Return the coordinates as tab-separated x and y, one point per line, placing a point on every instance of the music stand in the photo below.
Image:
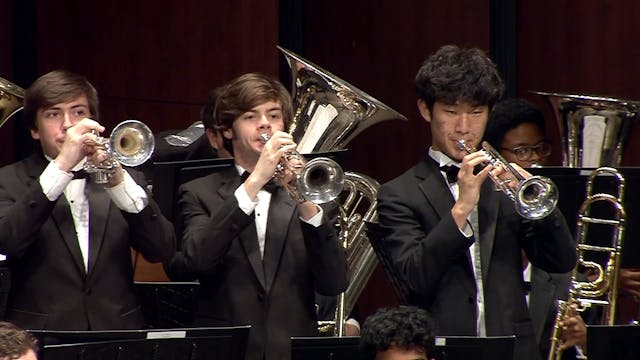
167	304
324	348
471	347
618	342
213	342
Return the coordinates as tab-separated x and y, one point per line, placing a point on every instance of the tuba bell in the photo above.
11	98
328	114
594	129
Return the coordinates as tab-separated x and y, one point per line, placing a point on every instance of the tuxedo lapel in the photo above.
64	221
280	215
434	188
99	203
540	298
487	218
248	236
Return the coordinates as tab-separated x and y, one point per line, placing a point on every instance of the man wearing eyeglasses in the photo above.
517	128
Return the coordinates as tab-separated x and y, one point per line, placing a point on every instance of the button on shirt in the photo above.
128	196
261	207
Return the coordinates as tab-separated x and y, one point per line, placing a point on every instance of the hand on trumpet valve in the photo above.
79	140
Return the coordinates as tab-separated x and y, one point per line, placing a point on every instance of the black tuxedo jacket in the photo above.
50	288
432	254
274	295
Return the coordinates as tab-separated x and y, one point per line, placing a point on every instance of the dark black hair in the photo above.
455	74
509	114
403	326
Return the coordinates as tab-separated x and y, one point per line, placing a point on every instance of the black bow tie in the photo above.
527	287
451	171
270	186
80	174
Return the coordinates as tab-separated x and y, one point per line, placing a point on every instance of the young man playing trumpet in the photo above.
456	241
259	254
68	239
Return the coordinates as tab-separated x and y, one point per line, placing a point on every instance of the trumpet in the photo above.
131	143
319	180
534	197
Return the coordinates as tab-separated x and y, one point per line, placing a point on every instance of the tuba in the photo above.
131	143
11	98
601	259
328	114
594	129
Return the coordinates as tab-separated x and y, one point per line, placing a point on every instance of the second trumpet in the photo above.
318	180
534	197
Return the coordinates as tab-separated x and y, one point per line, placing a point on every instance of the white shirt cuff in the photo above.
53	181
315	220
244	201
128	195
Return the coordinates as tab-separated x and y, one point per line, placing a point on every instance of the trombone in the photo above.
603	290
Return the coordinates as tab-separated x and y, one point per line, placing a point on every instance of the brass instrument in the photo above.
594	129
603	291
319	180
357	208
328	114
11	98
131	143
534	197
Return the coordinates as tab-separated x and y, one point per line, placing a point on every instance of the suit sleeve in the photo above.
21	218
421	256
327	257
150	231
549	244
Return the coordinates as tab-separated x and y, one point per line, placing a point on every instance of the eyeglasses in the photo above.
525	153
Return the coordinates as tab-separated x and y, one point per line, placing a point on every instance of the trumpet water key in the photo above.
534	197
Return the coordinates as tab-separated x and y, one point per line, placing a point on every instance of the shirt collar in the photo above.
442	159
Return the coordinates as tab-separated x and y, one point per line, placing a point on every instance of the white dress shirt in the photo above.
128	196
261	207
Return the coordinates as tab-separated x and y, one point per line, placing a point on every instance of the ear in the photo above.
211	136
35	135
424	110
228	133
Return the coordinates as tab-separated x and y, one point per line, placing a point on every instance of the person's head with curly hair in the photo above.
399	333
16	344
456	89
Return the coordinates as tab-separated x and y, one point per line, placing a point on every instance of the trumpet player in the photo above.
456	241
258	253
68	239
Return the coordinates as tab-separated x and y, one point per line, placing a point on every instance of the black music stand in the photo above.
180	343
620	342
167	304
324	348
400	287
471	347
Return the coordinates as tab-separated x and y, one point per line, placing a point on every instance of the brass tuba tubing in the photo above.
534	197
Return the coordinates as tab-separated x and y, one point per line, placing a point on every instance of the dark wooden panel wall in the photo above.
156	61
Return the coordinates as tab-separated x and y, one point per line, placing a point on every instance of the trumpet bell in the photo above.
11	98
321	180
132	143
536	197
594	129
